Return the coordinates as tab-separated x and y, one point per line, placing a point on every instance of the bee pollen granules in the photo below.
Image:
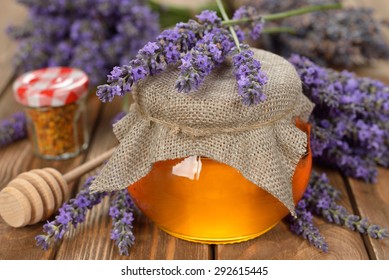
54	101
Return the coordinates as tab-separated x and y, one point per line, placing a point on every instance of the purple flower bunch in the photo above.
72	213
320	199
152	59
91	35
343	38
196	47
350	123
347	38
13	128
121	212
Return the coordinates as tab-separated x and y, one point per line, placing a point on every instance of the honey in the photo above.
219	207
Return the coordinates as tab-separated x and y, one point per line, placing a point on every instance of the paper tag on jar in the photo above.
189	168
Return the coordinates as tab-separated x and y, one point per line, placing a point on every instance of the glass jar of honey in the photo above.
213	203
54	103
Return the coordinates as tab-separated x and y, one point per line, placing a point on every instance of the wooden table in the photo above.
92	239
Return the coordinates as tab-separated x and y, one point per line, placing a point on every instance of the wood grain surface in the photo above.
372	200
91	240
279	243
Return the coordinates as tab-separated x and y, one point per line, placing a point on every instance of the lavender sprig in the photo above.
152	59
250	78
13	128
72	213
303	225
208	53
121	212
205	45
197	45
320	199
350	123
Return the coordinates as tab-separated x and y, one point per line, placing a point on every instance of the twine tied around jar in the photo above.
200	132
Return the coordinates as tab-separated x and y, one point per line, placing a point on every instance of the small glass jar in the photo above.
54	102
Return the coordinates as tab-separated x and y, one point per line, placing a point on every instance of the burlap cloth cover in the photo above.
262	142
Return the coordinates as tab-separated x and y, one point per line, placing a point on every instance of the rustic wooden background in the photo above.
92	239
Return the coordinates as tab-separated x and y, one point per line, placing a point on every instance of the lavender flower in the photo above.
72	213
253	28
208	53
13	128
303	225
320	199
209	17
350	128
121	212
152	59
92	35
196	48
249	76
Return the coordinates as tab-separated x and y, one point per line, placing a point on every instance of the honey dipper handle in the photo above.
88	166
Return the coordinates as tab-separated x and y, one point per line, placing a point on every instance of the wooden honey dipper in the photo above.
35	195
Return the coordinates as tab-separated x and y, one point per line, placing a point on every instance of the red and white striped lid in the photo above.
50	87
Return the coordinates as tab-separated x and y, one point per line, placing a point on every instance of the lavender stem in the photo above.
225	16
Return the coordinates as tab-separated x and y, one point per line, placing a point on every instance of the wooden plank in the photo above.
17	158
372	202
92	239
19	244
280	243
11	13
